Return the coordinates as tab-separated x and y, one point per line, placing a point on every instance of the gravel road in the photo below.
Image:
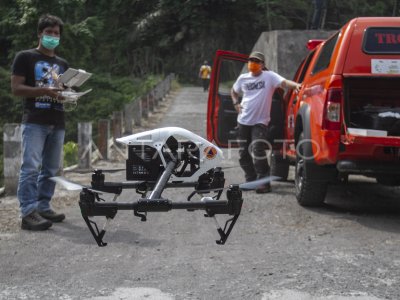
348	249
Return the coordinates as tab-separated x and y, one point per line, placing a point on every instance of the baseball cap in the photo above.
257	55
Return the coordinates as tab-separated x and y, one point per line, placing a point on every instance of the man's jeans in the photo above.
252	155
41	157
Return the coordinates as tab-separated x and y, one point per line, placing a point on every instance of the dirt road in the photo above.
278	250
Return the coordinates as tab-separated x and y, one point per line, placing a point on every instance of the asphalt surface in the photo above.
348	249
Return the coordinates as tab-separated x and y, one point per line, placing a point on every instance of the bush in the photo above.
70	154
109	94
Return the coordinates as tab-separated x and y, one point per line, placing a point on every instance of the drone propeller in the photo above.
68	185
72	186
230	167
246	186
252	185
98	170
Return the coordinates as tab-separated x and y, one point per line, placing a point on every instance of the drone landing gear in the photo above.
91	206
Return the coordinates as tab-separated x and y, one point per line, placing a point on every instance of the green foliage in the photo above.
125	42
10	106
175	85
109	94
70	154
79	42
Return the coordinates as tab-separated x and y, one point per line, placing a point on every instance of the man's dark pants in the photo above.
205	82
252	152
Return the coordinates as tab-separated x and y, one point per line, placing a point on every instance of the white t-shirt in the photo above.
257	96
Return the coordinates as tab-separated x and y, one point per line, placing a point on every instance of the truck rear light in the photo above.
311	44
332	110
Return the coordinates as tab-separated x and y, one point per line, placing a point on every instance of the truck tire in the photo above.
279	166
308	193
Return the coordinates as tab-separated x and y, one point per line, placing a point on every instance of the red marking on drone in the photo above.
210	152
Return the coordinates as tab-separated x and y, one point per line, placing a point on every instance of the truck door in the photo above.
221	115
293	100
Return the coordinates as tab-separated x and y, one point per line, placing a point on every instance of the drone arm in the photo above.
90	207
109	209
162	181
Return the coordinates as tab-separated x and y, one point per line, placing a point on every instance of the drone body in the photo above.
149	153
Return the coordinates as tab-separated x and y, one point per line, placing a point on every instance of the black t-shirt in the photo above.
40	70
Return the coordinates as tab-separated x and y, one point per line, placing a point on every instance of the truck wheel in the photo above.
279	166
308	193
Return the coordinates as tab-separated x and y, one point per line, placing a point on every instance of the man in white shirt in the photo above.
257	87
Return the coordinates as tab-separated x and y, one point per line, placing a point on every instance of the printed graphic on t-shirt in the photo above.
255	85
46	75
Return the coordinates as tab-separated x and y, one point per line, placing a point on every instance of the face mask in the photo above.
50	42
254	67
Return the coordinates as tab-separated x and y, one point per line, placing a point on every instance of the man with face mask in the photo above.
34	78
257	87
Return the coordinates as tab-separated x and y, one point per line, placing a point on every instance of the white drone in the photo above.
160	159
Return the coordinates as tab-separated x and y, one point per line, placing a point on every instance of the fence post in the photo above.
151	102
137	111
12	143
85	145
104	135
170	78
145	107
128	112
156	92
154	99
164	88
117	124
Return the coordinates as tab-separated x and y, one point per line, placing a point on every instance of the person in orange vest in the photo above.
204	74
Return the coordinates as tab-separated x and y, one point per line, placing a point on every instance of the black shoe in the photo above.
52	216
34	221
263	189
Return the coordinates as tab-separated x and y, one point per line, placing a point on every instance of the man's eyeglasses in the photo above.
255	60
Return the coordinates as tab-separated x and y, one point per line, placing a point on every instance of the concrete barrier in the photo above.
85	145
285	49
12	144
103	130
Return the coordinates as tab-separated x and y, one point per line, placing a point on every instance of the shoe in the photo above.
52	216
263	189
34	221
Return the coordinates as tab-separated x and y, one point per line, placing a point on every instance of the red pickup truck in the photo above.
346	118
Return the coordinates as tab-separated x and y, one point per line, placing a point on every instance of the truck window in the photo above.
305	67
324	58
382	40
229	72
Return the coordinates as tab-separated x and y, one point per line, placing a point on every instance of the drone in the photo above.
158	159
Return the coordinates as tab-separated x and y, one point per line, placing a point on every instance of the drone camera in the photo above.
143	163
212	180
